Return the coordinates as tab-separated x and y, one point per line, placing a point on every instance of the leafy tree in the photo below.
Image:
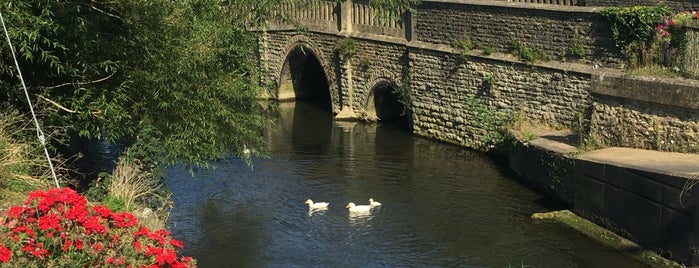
177	79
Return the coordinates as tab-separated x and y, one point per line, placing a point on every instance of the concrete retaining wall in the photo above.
656	208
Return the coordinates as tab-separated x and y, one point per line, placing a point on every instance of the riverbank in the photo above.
643	195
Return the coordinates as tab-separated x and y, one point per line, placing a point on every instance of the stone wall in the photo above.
553	29
676	5
647	113
440	85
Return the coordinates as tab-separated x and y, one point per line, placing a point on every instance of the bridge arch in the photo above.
382	103
305	73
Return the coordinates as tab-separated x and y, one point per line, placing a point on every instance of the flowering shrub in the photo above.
57	228
674	23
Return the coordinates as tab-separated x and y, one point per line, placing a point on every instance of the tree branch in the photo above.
80	83
57	105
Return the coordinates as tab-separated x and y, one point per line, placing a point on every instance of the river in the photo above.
443	205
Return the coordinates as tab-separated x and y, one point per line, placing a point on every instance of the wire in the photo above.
39	133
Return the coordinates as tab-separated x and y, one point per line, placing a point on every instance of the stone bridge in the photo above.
549	64
545	63
378	66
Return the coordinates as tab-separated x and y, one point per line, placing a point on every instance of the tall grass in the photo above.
23	167
132	186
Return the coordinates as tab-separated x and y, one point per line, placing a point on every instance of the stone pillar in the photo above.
264	59
347	86
409	22
346	78
346	16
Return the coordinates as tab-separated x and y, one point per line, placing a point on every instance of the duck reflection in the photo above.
320	211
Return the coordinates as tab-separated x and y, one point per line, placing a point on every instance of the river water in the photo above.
443	205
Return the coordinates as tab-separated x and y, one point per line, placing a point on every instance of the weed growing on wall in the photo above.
530	54
346	48
365	66
463	46
490	79
577	49
494	123
403	93
488	49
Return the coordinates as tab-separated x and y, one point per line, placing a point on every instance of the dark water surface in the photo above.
443	206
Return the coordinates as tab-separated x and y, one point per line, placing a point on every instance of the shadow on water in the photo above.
224	246
443	205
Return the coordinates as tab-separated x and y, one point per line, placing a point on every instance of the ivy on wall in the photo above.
633	24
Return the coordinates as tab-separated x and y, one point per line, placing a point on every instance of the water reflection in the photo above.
360	218
443	206
320	211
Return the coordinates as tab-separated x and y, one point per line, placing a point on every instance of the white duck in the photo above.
374	203
318	205
361	208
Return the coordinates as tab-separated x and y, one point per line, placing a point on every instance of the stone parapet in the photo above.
647	113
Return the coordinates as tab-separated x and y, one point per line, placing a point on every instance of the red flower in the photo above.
143	231
103	211
150	251
61	218
137	245
76	212
166	256
92	224
124	220
40	252
176	243
5	254
22	229
16	212
98	246
49	221
78	244
66	244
